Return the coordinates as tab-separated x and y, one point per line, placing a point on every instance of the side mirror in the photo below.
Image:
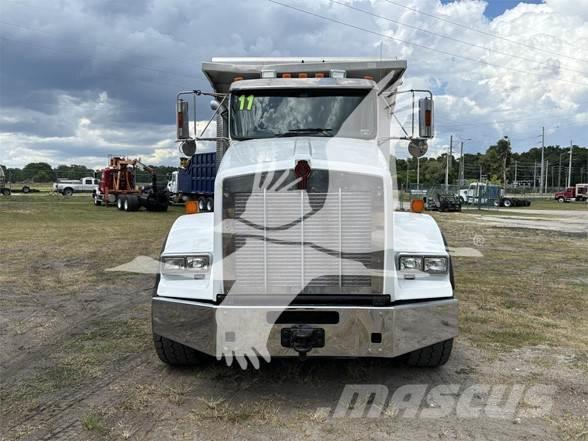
214	105
182	120
426	127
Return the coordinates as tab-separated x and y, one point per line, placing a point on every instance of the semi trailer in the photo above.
304	254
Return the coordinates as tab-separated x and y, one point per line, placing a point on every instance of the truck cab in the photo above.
577	193
304	253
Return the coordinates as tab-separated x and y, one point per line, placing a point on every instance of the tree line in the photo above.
43	172
498	164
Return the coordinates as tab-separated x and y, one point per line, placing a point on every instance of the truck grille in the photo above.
299	242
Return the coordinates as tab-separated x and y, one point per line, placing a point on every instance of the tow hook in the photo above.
302	338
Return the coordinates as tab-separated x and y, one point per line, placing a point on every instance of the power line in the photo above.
333	20
452	38
490	34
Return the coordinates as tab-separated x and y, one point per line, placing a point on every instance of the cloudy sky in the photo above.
80	79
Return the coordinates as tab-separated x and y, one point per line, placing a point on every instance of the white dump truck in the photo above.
304	253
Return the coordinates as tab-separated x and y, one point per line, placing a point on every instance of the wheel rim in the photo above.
209	206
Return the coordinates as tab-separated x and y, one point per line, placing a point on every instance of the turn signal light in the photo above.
286	75
191	207
417	205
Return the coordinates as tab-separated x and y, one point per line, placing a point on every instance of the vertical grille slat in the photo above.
298	241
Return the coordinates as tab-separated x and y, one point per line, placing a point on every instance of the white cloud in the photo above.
107	82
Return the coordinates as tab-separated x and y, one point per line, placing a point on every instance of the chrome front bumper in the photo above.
358	332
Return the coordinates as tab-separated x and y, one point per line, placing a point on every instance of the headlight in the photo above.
431	265
411	263
194	267
436	265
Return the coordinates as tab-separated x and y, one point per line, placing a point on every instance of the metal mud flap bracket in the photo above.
302	338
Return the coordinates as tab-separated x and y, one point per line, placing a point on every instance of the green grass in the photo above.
94	423
67	243
552	204
525	289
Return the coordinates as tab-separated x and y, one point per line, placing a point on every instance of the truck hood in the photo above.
343	154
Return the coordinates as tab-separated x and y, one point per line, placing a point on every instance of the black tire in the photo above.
68	191
5	191
561	199
133	203
209	204
26	189
431	356
507	202
177	354
201	204
120	202
97	202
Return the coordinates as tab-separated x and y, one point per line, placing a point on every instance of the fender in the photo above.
190	234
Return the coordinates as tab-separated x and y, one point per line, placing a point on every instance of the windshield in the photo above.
303	112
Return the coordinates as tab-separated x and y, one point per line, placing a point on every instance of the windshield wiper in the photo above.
309	130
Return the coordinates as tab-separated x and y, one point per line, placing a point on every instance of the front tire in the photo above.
67	192
561	200
177	354
26	189
507	203
431	356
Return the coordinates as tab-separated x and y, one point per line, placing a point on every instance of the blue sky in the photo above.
497	7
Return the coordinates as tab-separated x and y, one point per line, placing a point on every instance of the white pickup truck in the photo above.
304	253
67	187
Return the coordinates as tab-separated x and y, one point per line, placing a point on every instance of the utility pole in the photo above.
542	159
546	173
448	163
461	166
570	165
534	176
515	179
559	173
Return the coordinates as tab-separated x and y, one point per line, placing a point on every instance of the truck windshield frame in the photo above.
322	112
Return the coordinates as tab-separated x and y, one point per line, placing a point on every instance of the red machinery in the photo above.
118	185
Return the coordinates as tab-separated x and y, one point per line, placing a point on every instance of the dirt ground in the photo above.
78	363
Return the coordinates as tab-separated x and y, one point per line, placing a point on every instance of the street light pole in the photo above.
542	160
570	165
448	163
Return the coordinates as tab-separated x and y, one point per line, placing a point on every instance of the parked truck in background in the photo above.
118	186
67	187
486	194
303	249
194	181
578	193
